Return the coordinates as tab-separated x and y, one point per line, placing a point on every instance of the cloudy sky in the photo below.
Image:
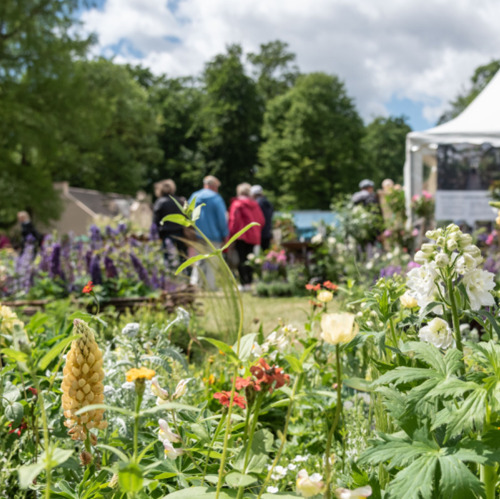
396	56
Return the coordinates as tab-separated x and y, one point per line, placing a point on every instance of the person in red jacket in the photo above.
242	211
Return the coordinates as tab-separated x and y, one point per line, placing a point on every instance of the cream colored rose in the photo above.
338	328
408	301
325	296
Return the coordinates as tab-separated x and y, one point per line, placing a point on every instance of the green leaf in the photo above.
117	452
177	218
10	394
170	406
197	212
359	384
55	351
416	480
236	479
246	346
29	472
106	407
238	234
130	477
192	260
201	492
165	475
294	363
14	412
14	355
223	347
60	456
457	481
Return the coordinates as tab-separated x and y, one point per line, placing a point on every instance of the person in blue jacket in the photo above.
212	221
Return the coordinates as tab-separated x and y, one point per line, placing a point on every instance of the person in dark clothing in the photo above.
170	232
28	231
366	195
267	210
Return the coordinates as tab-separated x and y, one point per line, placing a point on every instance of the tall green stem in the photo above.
137	415
212	443
454	315
283	437
489	474
238	341
338	408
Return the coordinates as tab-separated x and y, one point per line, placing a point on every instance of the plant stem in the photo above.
212	443
338	408
488	474
255	418
454	314
283	438
137	415
238	341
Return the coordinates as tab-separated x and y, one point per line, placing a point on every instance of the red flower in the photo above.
88	288
247	382
19	429
272	377
330	285
225	398
33	391
312	287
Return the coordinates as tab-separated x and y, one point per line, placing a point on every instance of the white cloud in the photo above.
421	50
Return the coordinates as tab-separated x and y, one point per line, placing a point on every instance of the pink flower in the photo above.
491	238
427	195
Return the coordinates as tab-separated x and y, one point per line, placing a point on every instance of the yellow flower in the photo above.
141	373
325	296
408	301
309	486
8	318
82	383
338	328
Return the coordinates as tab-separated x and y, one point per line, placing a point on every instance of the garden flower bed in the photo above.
387	390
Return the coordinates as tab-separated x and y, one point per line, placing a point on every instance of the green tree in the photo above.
312	147
231	117
481	77
384	148
114	141
36	49
274	70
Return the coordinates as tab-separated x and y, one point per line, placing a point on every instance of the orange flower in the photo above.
225	398
247	382
270	375
312	287
330	285
141	373
88	288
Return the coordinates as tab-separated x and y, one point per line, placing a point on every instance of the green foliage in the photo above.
312	147
384	148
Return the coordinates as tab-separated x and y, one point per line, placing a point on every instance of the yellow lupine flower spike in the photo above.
82	383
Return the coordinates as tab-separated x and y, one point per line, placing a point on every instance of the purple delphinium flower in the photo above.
44	265
491	265
139	268
95	270
24	266
412	265
88	259
122	227
134	242
390	270
95	237
55	262
110	267
153	232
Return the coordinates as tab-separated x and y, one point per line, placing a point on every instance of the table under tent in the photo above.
464	159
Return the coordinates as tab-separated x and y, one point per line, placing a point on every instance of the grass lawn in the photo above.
218	318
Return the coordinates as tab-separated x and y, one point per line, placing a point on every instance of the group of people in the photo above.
217	223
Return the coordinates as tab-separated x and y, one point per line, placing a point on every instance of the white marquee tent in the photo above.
479	123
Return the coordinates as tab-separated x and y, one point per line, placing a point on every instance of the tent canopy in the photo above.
479	123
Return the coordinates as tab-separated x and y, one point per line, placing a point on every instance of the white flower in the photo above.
292	467
442	260
279	473
422	284
317	239
128	385
272	489
478	284
331	241
309	486
438	333
338	328
166	433
157	390
131	329
408	301
360	493
170	451
250	257
465	263
299	459
180	389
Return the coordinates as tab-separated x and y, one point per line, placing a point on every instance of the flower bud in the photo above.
428	248
420	257
325	296
82	383
451	244
408	301
465	240
442	260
